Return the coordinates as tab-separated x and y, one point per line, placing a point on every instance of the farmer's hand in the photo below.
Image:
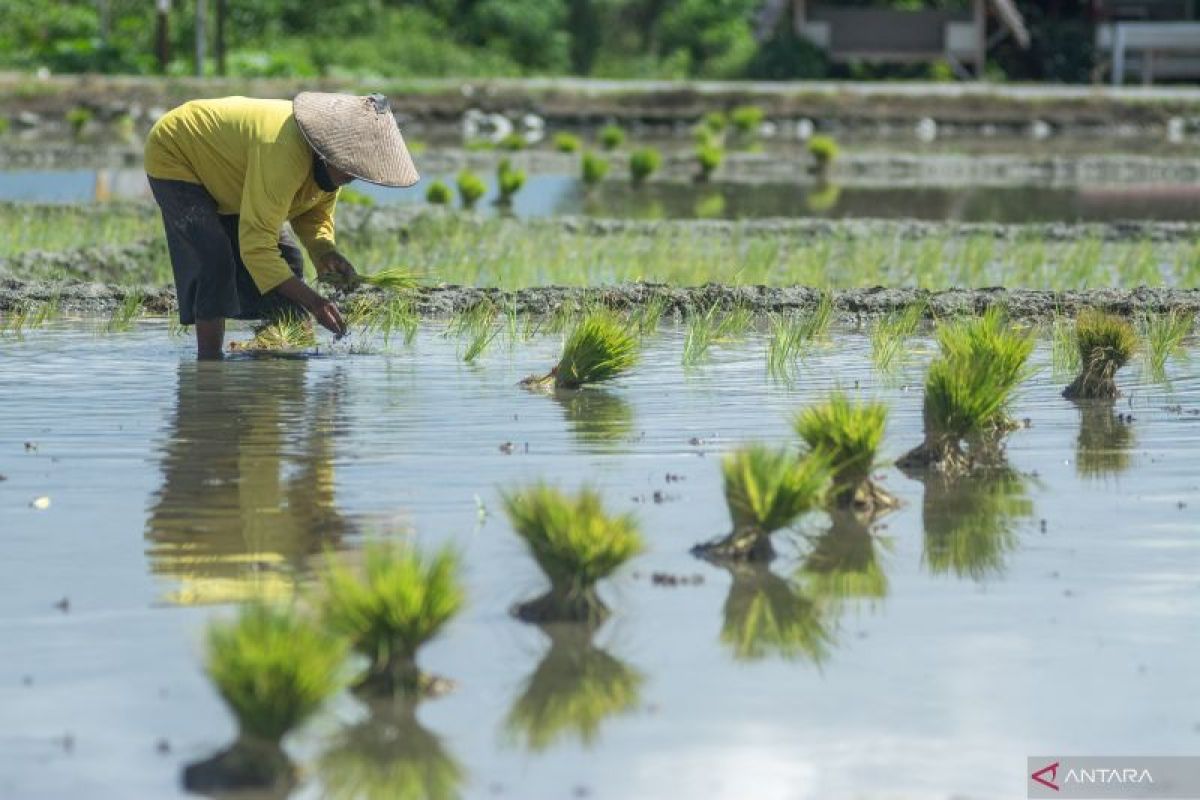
334	268
327	313
322	309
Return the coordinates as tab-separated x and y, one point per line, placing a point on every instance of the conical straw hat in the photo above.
358	135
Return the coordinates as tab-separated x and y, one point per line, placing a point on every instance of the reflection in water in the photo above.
599	419
248	483
389	755
844	563
822	198
575	687
970	521
710	205
768	615
1105	443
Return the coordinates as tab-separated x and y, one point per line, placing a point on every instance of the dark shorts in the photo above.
211	280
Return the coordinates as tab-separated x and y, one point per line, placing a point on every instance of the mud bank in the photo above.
1122	112
443	301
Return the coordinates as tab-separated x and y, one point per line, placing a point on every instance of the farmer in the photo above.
228	173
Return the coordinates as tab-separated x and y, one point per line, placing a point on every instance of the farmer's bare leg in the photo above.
210	338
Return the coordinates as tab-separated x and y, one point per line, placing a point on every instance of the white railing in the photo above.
1149	39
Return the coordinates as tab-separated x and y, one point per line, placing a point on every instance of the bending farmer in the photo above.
228	173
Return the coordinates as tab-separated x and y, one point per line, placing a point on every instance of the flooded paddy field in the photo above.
1048	608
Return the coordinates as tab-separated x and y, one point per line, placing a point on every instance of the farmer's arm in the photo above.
315	228
271	182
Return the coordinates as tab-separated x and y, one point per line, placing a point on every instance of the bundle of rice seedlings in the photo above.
643	163
824	151
512	142
397	602
766	615
848	435
575	688
600	348
612	136
991	338
766	490
509	180
709	156
274	669
747	120
576	544
384	316
970	521
390	756
594	168
392	279
288	332
843	563
1106	343
567	143
470	188
438	194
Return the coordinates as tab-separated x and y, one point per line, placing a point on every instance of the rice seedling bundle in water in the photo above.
567	143
470	188
287	333
993	339
594	168
392	279
766	489
1106	343
509	180
438	194
576	543
398	601
848	435
643	163
709	157
612	137
599	348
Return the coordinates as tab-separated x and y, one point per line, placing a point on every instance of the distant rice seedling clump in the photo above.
848	436
594	168
612	136
470	188
438	194
599	348
509	180
766	489
397	602
1106	343
576	543
643	163
567	143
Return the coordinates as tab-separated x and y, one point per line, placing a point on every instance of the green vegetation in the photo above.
567	143
384	316
891	333
438	194
477	325
512	142
288	332
714	123
470	188
711	326
78	119
766	489
1164	335
400	600
611	136
847	435
1104	447
509	180
390	279
844	563
969	522
126	313
824	151
353	197
594	168
576	544
643	163
766	615
993	339
747	120
575	688
273	668
600	348
1106	343
708	157
793	334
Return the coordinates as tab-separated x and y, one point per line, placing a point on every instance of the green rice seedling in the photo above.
643	163
389	756
766	490
600	348
848	435
594	168
576	543
480	145
78	119
126	312
612	136
970	522
567	143
470	188
438	194
649	314
16	318
1164	335
747	120
824	151
791	335
713	325
963	399
274	669
391	279
844	562
400	600
575	688
824	197
289	332
993	339
1064	353
176	329
1106	343
509	180
477	325
767	615
1104	447
384	316
715	122
708	157
512	142
46	311
891	333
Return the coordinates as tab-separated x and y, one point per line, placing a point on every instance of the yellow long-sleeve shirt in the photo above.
252	158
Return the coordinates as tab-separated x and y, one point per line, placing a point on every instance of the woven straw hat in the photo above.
358	135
